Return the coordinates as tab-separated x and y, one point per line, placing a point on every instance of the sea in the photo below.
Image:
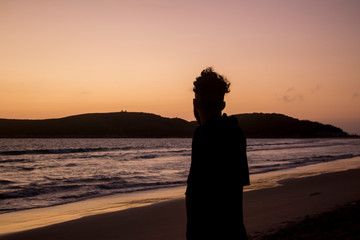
36	173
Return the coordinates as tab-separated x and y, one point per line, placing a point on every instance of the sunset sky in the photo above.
66	57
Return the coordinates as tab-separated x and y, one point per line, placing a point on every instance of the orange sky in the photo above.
65	57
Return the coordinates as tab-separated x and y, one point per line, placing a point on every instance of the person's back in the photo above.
217	174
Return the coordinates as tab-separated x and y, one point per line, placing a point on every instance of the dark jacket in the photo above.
218	172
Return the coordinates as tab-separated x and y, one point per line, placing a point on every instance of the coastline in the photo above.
340	223
268	210
319	188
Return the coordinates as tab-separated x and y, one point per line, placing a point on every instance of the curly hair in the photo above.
210	89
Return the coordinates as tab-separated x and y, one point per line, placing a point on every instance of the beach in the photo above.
265	211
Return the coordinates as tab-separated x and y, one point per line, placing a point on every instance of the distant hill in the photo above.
122	124
143	125
260	125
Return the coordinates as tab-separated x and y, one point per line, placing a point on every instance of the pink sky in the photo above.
299	58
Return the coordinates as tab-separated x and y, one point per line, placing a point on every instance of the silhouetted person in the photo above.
219	168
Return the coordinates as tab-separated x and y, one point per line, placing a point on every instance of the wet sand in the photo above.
265	211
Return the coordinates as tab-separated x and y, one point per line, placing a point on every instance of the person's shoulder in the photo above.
236	125
198	131
233	122
232	119
241	132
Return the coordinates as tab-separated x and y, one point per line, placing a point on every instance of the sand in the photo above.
268	210
341	223
265	211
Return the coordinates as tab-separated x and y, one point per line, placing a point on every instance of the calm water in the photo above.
45	172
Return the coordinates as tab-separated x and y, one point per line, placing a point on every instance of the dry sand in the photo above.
341	223
265	211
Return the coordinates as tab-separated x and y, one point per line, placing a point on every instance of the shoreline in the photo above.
298	198
340	223
265	211
36	218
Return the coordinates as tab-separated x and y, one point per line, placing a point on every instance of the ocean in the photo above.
38	173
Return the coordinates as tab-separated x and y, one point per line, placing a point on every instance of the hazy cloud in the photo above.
290	90
289	99
291	95
161	5
318	87
355	96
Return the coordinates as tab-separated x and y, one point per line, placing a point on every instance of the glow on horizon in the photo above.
299	58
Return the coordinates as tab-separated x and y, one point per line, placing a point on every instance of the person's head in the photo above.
210	89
